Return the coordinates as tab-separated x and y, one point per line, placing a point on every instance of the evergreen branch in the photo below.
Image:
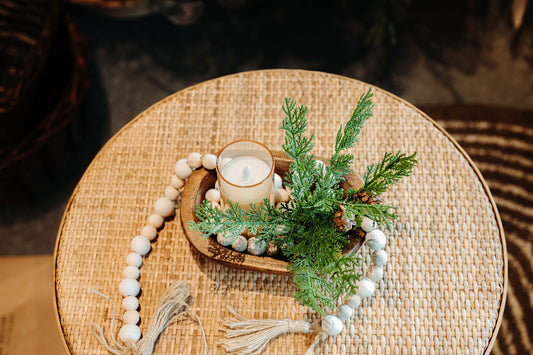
380	176
348	137
262	219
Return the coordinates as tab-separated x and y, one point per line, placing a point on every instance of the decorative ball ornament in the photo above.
164	207
156	220
375	273
256	246
240	244
129	287
130	302
332	325
366	287
225	239
368	225
131	272
278	183
376	239
141	245
131	316
209	161
171	193
353	301
212	195
380	257
149	232
176	182
345	312
129	333
134	259
182	169
194	160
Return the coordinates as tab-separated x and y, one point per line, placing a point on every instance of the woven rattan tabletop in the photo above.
443	291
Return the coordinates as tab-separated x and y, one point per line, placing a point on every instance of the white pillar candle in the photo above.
246	173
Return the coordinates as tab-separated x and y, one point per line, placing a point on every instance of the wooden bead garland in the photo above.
164	207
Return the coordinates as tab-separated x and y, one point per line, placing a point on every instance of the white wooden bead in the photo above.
278	183
129	287
209	161
164	207
345	312
353	301
149	232
368	225
176	182
171	193
332	325
130	302
225	239
375	273
366	287
376	239
182	169
131	316
240	244
212	195
156	220
256	246
140	245
380	257
134	259
194	160
129	334
281	195
131	272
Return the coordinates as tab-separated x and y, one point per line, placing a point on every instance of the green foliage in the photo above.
378	177
304	228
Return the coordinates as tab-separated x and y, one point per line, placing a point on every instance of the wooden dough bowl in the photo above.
194	191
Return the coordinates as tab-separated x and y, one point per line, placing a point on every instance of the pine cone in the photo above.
343	224
366	198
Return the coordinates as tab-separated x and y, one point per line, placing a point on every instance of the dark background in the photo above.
425	52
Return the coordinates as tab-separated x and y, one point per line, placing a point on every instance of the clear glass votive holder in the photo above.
245	171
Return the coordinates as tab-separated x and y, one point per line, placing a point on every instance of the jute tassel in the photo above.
251	336
174	304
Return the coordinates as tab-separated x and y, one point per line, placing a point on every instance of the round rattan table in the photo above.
444	287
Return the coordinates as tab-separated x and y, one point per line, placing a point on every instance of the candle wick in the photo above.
246	173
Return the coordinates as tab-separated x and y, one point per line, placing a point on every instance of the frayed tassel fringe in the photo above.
251	336
173	305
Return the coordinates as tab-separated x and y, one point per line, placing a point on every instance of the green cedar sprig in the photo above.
380	176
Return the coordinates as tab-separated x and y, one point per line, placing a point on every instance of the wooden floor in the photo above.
27	321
